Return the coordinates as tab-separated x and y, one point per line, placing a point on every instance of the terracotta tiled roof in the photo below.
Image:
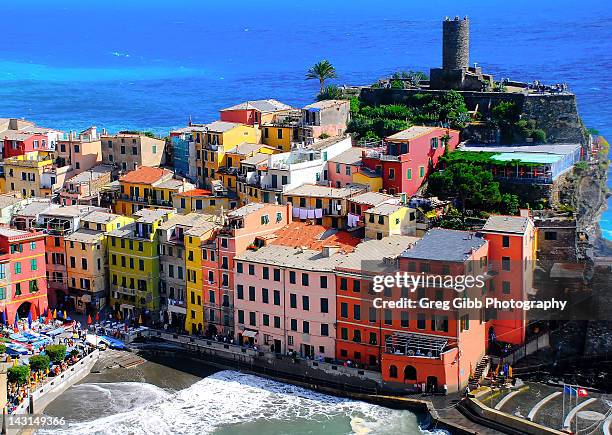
145	175
195	192
302	234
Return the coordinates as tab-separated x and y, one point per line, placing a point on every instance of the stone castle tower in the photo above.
455	43
456	72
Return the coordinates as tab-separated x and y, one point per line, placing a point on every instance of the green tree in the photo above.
56	352
321	71
39	363
2	348
509	203
473	185
19	374
331	92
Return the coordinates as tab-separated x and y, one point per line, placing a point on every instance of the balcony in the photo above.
124	290
417	345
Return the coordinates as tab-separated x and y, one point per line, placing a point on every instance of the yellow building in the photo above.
368	178
389	219
282	130
212	145
148	188
134	264
24	174
230	173
86	264
195	241
202	201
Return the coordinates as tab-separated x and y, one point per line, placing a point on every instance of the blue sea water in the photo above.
151	64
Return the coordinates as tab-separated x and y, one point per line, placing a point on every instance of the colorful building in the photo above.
435	347
212	145
512	256
23	173
84	188
81	152
342	168
324	119
389	219
18	143
202	201
23	287
240	229
147	187
283	131
127	151
327	206
410	157
359	204
174	259
254	112
134	265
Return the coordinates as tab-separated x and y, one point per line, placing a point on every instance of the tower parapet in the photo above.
455	43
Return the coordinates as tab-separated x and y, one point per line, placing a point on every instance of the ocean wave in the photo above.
230	398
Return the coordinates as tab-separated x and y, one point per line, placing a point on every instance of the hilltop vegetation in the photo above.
372	123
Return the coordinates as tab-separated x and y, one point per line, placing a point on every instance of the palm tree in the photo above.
322	71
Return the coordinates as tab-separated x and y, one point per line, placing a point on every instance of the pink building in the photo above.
253	112
340	169
23	284
285	299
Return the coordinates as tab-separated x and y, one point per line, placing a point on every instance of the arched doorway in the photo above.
24	310
392	371
410	373
432	384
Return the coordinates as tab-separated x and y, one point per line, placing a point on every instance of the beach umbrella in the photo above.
3	317
55	314
89	322
98	316
65	315
140	320
49	316
30	320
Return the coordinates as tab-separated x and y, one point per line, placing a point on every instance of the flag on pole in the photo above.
572	391
581	392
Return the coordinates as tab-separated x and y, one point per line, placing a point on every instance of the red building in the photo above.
410	156
23	285
17	144
253	112
512	253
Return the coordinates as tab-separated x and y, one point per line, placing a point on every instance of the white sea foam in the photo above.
224	399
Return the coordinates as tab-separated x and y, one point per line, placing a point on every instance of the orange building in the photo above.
512	254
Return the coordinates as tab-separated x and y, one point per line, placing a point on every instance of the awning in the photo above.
249	334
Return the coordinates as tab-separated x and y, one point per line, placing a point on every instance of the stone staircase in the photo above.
480	372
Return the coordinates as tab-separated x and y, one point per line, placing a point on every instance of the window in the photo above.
404	319
251	293
344	333
266	272
391	174
324	305
505	241
276	297
421	321
344	310
421	171
439	323
251	269
343	284
240	316
33	264
277	275
465	323
337	168
238	267
372	315
18	289
293	325
2	293
293	300
356	285
266	320
506	264
265	297
277	322
32	246
252	318
304	279
550	235
305	303
388	317
506	287
409	174
265	219
240	291
434	143
324	330
17	268
392	371
2	271
34	286
279	133
356	312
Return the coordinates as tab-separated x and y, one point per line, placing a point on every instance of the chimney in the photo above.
328	251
